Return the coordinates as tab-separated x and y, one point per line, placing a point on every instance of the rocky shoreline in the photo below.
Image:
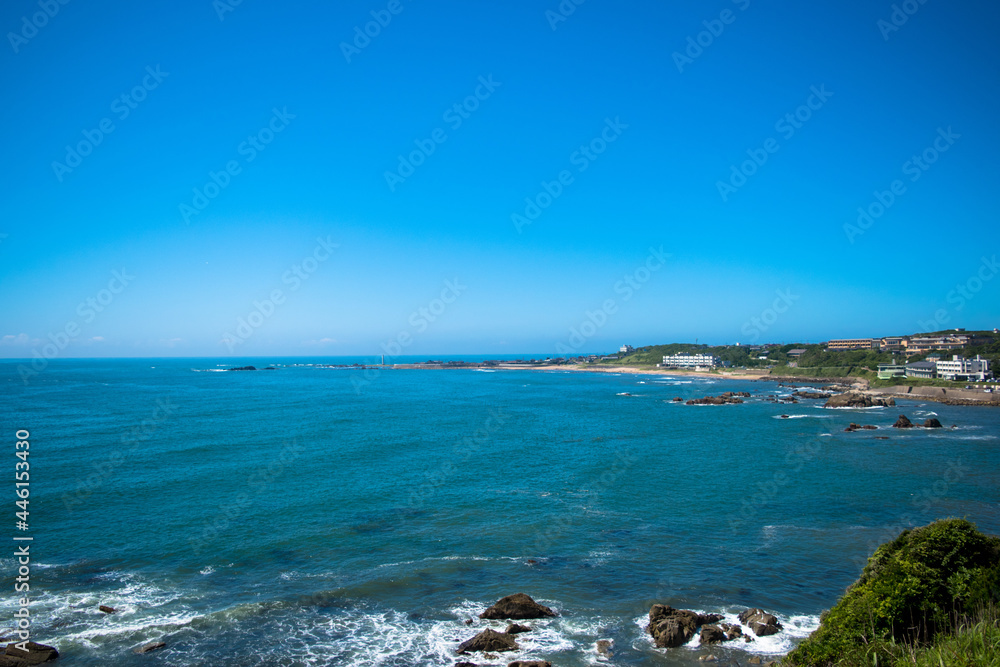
668	627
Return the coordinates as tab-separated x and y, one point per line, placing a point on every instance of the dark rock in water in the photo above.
469	621
784	416
106	609
715	400
856	427
242	368
270	368
529	663
671	627
35	655
466	664
712	634
516	607
762	623
932	423
810	395
489	640
855	400
678	400
515	629
151	646
731	394
903	422
732	631
604	647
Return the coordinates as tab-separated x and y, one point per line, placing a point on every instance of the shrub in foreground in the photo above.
922	586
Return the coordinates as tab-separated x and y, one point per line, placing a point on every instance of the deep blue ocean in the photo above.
322	516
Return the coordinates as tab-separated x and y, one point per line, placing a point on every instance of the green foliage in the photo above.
974	643
870	359
911	591
653	354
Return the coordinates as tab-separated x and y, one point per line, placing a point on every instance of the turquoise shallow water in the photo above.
316	516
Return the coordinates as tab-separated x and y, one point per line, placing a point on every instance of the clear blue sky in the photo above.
522	287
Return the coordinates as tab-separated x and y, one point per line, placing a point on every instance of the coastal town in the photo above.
936	362
946	365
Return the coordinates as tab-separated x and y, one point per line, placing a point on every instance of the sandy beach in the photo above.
749	375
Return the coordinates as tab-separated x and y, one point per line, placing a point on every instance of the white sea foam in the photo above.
140	607
802	417
430	559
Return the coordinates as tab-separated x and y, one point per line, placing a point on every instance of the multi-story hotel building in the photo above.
854	344
691	361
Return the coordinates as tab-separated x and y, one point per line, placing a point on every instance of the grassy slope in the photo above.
929	593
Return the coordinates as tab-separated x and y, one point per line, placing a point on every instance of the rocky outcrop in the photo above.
903	422
859	427
106	609
515	629
932	423
242	368
516	607
529	663
603	647
35	655
712	634
671	627
733	631
151	646
810	395
489	640
853	399
762	623
678	399
715	400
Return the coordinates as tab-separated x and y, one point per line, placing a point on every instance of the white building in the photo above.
959	368
695	361
627	349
